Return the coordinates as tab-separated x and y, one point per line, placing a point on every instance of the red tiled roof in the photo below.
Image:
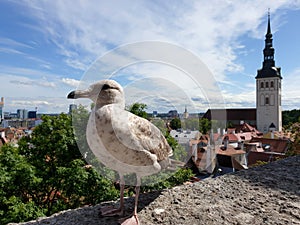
230	151
217	136
277	145
248	128
230	130
254	157
245	136
231	137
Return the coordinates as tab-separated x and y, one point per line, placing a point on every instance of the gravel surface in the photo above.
267	194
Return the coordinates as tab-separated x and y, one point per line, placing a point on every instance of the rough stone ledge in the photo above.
268	194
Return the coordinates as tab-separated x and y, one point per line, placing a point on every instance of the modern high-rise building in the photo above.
72	107
268	89
31	114
1	109
22	113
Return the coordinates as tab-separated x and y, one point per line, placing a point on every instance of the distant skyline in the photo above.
47	47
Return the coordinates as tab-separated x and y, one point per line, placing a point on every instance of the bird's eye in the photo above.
105	87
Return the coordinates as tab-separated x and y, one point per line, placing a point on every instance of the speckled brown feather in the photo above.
150	137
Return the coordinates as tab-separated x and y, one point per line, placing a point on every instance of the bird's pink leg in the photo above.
133	220
109	210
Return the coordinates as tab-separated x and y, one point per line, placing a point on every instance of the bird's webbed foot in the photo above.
133	220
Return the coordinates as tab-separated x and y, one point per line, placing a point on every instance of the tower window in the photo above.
267	101
272	84
262	85
267	84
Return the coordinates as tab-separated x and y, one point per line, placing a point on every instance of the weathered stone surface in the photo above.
268	194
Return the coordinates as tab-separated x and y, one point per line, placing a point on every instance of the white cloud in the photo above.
85	30
25	103
290	90
41	103
12	43
209	29
47	92
70	82
10	51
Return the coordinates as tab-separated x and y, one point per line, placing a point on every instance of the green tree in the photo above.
190	123
66	180
289	117
138	109
175	123
160	124
204	125
179	153
294	146
18	182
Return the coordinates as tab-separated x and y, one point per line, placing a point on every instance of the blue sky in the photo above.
48	48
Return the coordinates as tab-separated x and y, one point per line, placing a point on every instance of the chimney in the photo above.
272	134
223	132
226	142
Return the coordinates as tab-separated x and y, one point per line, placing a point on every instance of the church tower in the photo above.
268	89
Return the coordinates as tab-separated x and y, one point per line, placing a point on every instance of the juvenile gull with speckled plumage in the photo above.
121	140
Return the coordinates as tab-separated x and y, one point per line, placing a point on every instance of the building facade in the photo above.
22	113
234	117
268	89
1	109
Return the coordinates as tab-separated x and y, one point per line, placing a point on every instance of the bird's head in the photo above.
102	93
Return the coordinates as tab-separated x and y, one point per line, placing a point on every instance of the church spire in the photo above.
268	88
269	24
268	68
269	50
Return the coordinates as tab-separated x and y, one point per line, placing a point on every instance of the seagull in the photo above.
123	141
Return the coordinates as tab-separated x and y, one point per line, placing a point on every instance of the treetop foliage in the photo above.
47	174
175	123
290	116
138	109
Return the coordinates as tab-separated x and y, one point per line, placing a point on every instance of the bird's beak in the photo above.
78	94
71	95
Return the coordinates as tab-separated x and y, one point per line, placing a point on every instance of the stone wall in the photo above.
268	194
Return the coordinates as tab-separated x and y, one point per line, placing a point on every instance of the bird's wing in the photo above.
130	139
149	137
